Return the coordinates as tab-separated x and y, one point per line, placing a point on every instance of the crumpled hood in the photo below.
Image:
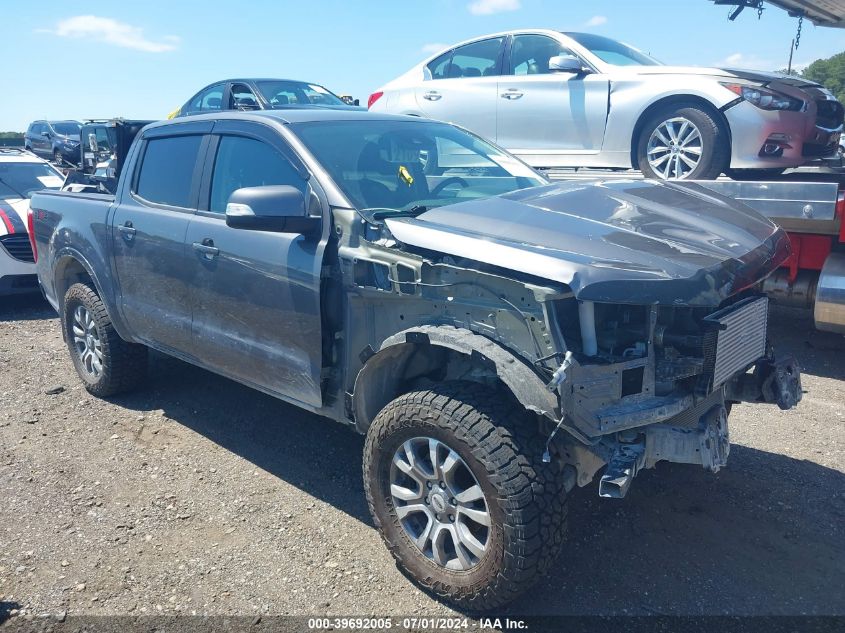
760	76
637	242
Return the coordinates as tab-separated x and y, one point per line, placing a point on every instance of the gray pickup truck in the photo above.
499	339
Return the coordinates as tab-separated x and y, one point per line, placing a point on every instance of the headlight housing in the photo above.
765	98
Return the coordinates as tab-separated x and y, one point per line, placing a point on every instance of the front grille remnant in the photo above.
737	339
18	246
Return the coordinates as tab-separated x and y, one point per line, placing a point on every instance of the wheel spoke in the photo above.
449	464
659	148
469	541
463	559
479	516
438	534
414	508
659	161
433	446
692	136
693	150
469	495
690	163
659	134
422	540
404	494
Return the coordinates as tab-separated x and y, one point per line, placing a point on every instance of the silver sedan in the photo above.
579	100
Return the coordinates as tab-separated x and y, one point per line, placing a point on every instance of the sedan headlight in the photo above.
764	98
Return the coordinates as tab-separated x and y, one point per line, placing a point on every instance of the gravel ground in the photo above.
198	495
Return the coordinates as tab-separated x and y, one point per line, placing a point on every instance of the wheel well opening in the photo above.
407	367
70	271
675	101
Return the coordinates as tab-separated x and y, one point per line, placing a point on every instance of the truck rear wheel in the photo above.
457	487
105	362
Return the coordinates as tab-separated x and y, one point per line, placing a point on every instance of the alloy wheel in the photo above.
675	148
439	503
86	340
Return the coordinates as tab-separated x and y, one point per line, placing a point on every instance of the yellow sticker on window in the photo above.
405	176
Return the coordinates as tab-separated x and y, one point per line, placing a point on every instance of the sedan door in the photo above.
148	236
544	114
463	86
255	294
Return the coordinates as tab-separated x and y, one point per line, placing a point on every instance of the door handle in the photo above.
207	248
512	94
432	95
127	230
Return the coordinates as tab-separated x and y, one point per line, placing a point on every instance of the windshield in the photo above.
21	180
285	93
67	128
613	52
387	167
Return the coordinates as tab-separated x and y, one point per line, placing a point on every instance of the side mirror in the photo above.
276	208
46	134
356	102
566	64
92	142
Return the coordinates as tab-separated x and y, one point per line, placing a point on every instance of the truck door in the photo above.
148	236
255	294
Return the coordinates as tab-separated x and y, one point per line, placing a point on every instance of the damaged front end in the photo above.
655	330
659	382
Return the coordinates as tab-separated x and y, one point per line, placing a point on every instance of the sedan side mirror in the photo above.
566	64
276	208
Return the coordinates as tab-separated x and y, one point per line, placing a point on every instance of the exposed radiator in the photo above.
737	340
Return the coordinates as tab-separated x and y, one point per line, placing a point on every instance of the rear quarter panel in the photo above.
72	227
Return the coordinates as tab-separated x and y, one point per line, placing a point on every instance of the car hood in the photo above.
638	242
729	73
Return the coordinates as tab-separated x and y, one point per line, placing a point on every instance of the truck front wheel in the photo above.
457	487
105	362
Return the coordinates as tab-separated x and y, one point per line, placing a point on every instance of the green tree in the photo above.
830	73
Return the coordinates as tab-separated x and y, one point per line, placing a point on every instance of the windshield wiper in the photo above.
413	212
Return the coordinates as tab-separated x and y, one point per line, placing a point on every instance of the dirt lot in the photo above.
199	495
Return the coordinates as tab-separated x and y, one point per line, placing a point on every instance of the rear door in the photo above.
463	86
148	235
255	294
546	113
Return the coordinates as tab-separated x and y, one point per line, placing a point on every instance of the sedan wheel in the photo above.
682	142
675	148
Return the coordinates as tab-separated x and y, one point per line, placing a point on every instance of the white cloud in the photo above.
489	7
434	47
748	62
112	32
597	20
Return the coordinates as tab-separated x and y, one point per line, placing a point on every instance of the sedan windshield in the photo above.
21	180
613	52
392	166
287	93
67	128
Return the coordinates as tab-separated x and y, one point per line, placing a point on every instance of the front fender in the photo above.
377	381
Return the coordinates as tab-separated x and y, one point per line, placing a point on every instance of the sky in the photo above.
68	60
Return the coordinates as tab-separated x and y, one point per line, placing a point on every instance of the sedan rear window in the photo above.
21	180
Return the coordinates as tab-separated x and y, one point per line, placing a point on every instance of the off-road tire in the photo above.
124	364
716	147
503	448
